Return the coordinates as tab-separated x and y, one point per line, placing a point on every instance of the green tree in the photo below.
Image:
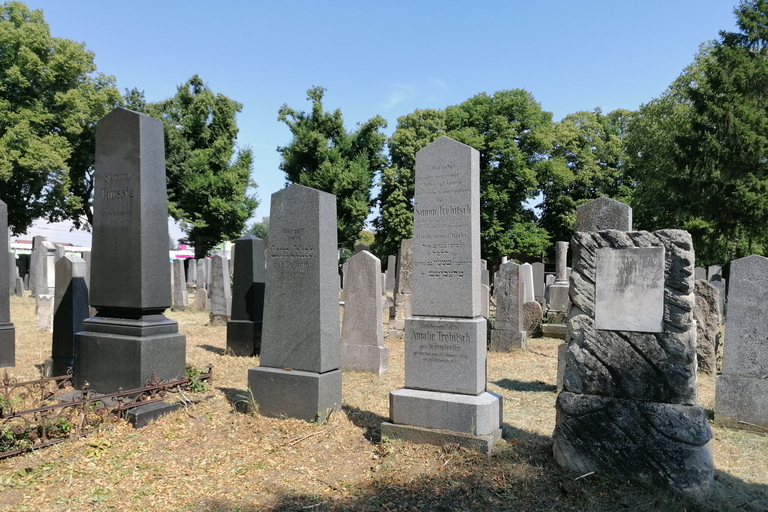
50	100
325	156
587	160
208	180
259	229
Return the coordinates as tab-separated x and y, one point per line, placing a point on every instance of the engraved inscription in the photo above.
629	289
437	346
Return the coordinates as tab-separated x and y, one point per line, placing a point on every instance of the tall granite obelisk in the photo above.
129	338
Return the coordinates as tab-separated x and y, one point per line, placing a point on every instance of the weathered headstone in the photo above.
220	292
741	399
7	330
201	299
403	297
532	317
245	326
603	213
129	339
59	252
362	332
719	283
44	312
485	276
390	273
526	277
362	247
202	275
445	397
19	289
714	272
558	291
707	319
180	294
538	281
485	300
700	273
70	310
628	405
508	332
191	272
300	374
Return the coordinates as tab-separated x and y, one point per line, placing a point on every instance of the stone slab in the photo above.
295	394
664	444
7	345
480	414
742	402
364	358
143	415
244	337
446	230
421	435
554	330
629	289
504	341
604	213
446	354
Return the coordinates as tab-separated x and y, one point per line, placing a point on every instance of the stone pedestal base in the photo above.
298	394
741	402
664	444
113	353
364	358
479	415
554	330
558	296
7	345
420	435
504	341
244	337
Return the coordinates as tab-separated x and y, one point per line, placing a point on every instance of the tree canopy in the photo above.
50	100
325	156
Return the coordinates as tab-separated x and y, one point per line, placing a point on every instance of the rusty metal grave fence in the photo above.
61	412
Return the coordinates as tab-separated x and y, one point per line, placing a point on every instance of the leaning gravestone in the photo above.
70	310
129	339
300	374
245	325
741	399
445	397
628	405
362	332
508	332
7	330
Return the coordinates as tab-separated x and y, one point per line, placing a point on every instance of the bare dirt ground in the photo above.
212	456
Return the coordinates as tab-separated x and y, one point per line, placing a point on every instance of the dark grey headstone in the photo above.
629	398
604	213
362	332
508	332
245	325
129	339
742	390
446	231
7	330
301	283
70	310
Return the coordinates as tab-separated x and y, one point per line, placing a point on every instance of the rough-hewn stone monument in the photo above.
445	397
300	374
129	338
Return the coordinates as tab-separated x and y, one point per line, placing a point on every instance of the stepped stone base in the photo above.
298	394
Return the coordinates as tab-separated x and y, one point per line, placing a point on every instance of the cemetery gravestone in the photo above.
445	397
180	294
707	319
191	272
741	399
70	310
300	374
508	332
538	281
129	339
245	326
219	291
629	400
404	284
7	330
44	312
526	276
202	275
700	273
603	213
201	299
362	332
390	273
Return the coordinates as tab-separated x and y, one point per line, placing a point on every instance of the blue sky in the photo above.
389	58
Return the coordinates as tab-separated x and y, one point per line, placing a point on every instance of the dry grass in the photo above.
210	457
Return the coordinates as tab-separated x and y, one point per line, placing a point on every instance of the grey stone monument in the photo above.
70	310
129	339
700	273
526	276
714	272
362	332
390	273
244	327
180	294
445	397
44	312
508	332
403	294
603	213
220	292
558	291
707	318
628	406
300	374
741	399
202	275
538	281
7	330
191	272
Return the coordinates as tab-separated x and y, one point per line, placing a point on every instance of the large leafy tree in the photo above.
208	180
325	156
512	134
587	160
50	100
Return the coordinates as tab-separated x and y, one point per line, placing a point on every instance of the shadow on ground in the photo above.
216	350
367	420
534	386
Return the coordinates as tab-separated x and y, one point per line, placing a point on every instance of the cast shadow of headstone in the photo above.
536	386
216	350
368	420
241	400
